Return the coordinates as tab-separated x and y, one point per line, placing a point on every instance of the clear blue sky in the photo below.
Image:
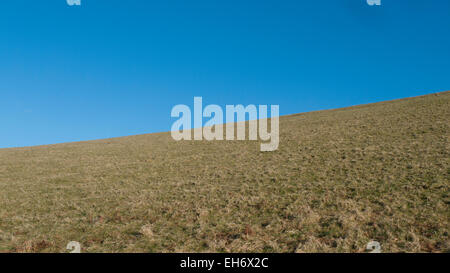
113	68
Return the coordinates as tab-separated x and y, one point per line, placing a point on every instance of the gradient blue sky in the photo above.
113	68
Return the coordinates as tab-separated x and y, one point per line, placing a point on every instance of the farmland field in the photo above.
339	179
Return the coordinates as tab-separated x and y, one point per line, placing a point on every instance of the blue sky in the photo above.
113	68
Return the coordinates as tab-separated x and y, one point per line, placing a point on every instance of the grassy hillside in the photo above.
339	179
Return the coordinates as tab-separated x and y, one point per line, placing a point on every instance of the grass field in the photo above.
339	179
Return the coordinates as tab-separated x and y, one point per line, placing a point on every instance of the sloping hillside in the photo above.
339	179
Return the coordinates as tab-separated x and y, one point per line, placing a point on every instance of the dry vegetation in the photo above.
339	179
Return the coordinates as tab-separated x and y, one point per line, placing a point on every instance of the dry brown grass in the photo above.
339	179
